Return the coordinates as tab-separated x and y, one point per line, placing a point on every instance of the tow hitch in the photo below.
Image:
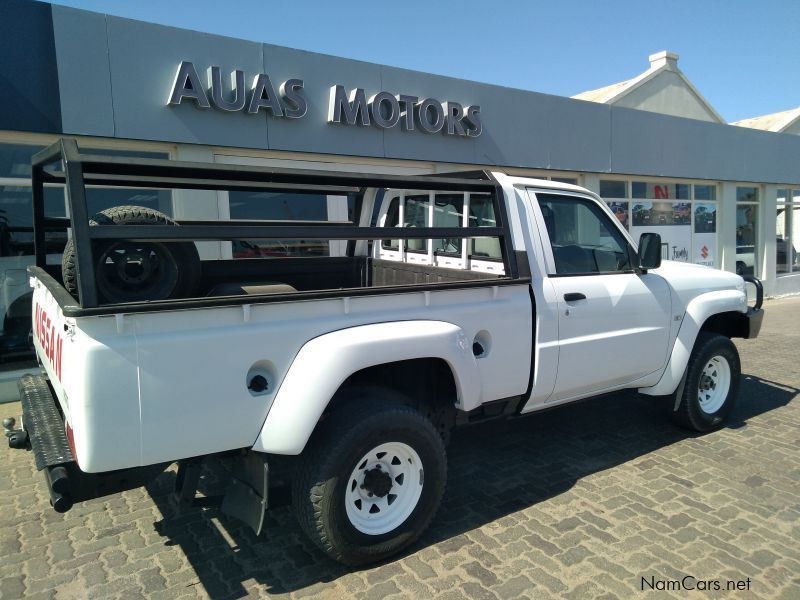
17	438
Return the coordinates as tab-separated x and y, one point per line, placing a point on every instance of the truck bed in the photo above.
119	365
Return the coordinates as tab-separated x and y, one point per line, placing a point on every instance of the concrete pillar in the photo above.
726	226
767	214
591	181
198	204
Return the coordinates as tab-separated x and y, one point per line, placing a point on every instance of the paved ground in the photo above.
580	502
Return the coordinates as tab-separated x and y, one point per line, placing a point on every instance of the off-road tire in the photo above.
184	254
689	412
366	418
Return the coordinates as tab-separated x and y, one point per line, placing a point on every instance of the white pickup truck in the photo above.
440	301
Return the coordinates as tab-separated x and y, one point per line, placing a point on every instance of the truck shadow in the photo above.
495	469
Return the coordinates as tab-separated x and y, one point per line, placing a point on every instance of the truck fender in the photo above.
324	363
697	312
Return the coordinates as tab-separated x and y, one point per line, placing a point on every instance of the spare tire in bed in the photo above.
128	271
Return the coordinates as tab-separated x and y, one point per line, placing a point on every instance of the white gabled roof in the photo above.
659	63
777	122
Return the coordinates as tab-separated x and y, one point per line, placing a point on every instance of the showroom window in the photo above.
16	237
278	206
787	232
747	230
682	213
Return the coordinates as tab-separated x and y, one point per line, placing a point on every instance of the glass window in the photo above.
416	215
98	199
15	160
16	220
128	153
583	240
278	206
481	214
392	219
792	246
787	232
571	180
447	212
746	239
746	194
782	257
705	192
612	189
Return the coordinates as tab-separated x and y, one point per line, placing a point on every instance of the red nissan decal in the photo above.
50	340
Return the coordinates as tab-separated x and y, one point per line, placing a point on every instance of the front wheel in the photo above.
712	384
370	479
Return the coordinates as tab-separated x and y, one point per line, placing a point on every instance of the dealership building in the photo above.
723	195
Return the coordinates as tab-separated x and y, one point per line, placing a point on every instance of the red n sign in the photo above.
662	192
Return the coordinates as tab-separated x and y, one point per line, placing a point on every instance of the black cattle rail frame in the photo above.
76	171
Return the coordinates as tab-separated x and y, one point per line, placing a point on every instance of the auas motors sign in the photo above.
383	109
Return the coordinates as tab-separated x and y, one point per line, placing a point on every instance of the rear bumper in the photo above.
47	437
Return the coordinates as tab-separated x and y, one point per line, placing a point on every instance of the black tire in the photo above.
710	350
367	418
173	268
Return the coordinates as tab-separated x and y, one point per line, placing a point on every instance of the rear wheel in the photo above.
371	478
712	384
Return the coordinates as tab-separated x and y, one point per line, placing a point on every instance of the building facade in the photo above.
719	195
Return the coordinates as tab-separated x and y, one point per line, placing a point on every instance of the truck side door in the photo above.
613	320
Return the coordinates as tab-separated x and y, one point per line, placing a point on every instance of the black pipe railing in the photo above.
76	171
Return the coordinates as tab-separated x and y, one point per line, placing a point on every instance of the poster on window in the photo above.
705	249
704	243
671	220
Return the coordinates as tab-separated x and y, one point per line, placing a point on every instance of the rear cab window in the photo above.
441	209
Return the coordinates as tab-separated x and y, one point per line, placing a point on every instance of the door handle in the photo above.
574	296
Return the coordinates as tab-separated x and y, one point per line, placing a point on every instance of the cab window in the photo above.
582	236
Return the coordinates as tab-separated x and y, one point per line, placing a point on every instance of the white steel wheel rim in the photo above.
715	381
372	509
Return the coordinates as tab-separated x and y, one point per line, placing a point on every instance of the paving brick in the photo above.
12	587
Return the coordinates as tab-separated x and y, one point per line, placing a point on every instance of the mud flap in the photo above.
246	498
679	391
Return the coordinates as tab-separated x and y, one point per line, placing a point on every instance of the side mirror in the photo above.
649	251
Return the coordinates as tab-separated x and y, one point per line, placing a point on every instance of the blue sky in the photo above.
743	56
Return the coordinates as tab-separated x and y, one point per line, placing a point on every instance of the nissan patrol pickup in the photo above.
428	303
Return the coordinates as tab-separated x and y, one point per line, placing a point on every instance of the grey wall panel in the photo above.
144	60
766	156
84	75
312	133
29	98
429	146
651	144
514	128
578	136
